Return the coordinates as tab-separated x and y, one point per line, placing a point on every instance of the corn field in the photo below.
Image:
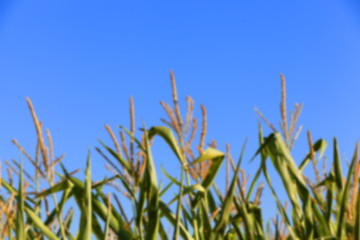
36	206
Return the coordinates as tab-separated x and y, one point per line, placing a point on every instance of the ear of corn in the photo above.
327	207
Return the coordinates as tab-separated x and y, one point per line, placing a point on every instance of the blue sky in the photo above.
79	61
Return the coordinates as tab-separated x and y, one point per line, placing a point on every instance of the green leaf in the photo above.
263	155
278	203
39	223
165	210
172	179
66	196
329	201
166	188
107	224
217	157
152	227
293	182
322	226
344	197
116	222
200	190
168	136
162	233
133	137
227	204
248	219
357	219
319	147
85	225
122	161
96	227
204	220
68	234
61	186
337	166
178	210
126	185
20	221
12	190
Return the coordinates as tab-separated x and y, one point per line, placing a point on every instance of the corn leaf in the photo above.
152	227
86	213
122	161
337	166
168	136
217	158
318	147
20	221
227	204
179	207
165	210
344	198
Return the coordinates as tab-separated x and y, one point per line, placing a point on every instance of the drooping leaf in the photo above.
217	157
293	182
169	138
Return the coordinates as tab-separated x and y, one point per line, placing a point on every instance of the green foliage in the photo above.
328	208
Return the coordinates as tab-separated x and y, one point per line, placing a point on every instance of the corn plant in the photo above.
327	208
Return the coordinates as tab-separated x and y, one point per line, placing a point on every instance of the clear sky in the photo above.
79	61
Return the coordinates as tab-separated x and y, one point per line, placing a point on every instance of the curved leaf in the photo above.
169	138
